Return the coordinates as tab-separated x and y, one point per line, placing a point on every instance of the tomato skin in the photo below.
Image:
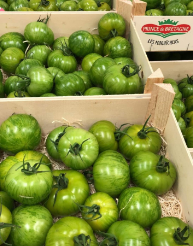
177	111
131	146
81	43
39	5
190	5
154	12
188	117
175	9
15	94
38	33
182	125
89	60
167	2
11	84
104	7
145	175
140	206
24	9
4	5
85	77
56	73
25	65
186	87
125	232
99	69
5	165
7	201
21	186
163	230
88	152
108	210
68	6
13	39
118	47
174	86
60	42
111	173
34	221
189	103
99	44
110	22
152	4
40	53
5	217
48	95
57	58
181	105
18	4
77	192
188	135
41	81
93	91
19	132
2	94
65	229
104	132
69	85
89	5
54	135
126	61
115	81
10	59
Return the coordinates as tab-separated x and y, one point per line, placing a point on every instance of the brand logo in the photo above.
166	28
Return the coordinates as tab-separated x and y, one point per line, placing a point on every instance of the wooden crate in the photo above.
118	110
163	33
176	70
65	23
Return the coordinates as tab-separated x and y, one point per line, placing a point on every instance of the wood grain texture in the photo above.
155	77
139	7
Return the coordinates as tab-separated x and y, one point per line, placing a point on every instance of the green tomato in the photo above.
126	232
111	25
1	51
11	84
138	138
154	12
89	60
189	103
69	85
19	132
111	173
18	4
13	39
126	61
2	93
69	230
181	105
140	206
53	140
188	117
94	91
178	95
38	32
78	149
22	182
71	192
60	42
121	80
34	222
118	47
15	94
167	2
152	172
186	86
99	44
152	4
81	43
185	2
182	125
4	5
99	69
100	211
1	77
89	5
175	9
5	217
5	165
40	81
6	200
41	5
10	1
56	73
48	95
40	53
174	85
104	7
109	2
188	135
62	60
25	66
68	6
175	232
24	9
189	12
177	111
190	5
10	59
85	77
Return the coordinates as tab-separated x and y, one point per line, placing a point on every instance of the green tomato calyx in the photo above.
190	79
142	134
128	71
65	49
118	133
61	184
44	3
179	235
89	213
23	83
110	239
82	240
29	170
114	33
89	176
44	20
3	226
163	165
56	142
19	93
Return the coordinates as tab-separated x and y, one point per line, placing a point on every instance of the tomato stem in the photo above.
114	33
179	235
6	225
56	142
190	79
65	49
94	210
82	240
110	239
89	176
126	71
19	93
163	165
61	184
142	134
44	20
44	3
